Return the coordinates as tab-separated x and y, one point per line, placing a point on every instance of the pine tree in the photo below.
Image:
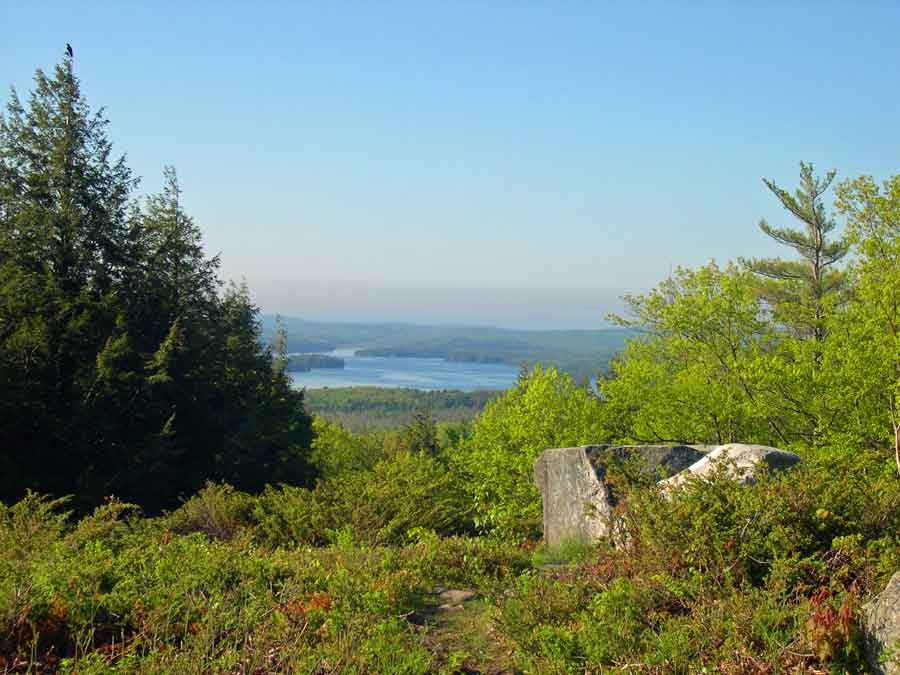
267	431
800	292
63	240
421	433
280	356
124	370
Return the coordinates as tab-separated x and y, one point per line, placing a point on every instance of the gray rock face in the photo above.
741	461
577	501
881	621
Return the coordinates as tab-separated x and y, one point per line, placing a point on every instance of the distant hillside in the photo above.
307	362
368	408
581	353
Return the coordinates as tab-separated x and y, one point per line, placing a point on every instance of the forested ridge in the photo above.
307	362
368	408
167	504
582	353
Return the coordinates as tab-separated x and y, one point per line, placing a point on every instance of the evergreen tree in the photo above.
124	370
800	292
421	433
63	241
265	427
281	358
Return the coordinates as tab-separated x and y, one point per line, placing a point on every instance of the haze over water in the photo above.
418	373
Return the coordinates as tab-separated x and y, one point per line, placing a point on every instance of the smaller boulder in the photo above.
881	623
741	461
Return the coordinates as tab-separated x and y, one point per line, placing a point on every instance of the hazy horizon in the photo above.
507	309
509	164
270	317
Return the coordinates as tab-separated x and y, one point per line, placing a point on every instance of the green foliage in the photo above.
307	362
693	377
765	577
544	410
402	492
568	551
382	408
218	511
863	356
483	563
421	434
337	451
142	598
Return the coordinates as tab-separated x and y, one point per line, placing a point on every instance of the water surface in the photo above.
417	373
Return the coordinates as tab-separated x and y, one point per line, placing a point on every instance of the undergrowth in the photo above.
763	578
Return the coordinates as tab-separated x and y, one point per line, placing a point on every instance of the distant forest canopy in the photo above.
303	363
584	354
367	408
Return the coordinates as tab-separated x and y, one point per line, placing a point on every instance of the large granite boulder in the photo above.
578	503
881	623
740	461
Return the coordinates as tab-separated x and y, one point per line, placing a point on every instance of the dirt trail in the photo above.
458	628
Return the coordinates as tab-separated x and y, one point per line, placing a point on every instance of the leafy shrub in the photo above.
337	451
218	511
115	592
472	562
762	578
545	409
401	492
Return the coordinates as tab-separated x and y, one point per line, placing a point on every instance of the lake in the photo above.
417	373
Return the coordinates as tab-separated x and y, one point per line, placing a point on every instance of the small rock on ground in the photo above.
453	597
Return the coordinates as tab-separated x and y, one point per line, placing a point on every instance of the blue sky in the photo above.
510	163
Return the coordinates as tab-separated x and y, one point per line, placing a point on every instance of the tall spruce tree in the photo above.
800	291
124	370
63	242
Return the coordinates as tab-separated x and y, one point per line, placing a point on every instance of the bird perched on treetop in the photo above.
69	50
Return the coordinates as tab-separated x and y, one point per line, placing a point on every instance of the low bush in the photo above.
402	492
112	593
218	510
488	565
342	578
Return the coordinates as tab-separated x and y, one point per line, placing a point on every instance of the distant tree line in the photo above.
584	354
348	399
307	362
126	368
379	408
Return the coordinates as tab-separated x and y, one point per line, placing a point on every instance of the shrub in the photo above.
218	511
473	562
768	577
337	451
402	492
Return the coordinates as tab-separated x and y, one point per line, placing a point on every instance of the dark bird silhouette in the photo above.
69	50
